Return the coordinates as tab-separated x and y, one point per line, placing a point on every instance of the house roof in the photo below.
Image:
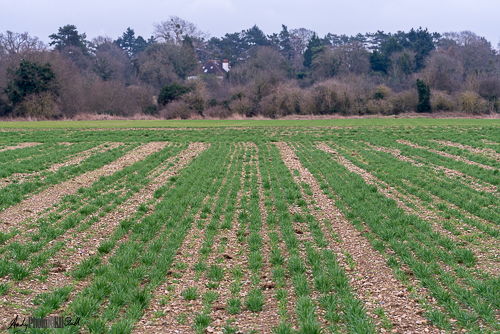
213	67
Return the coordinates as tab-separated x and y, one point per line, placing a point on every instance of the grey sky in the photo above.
111	18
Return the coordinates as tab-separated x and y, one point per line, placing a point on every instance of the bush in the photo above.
242	106
329	97
403	102
150	110
441	101
286	100
489	88
381	107
195	101
113	98
176	109
381	92
28	79
38	105
172	92
472	103
217	112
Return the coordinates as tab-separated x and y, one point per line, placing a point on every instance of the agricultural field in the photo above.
276	229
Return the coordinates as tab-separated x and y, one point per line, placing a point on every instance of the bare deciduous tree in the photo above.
474	51
300	38
354	58
156	65
298	41
15	43
101	41
326	64
443	72
174	29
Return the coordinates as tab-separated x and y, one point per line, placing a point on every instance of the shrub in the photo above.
172	92
242	106
472	103
489	88
381	107
217	112
195	101
381	92
442	101
39	105
286	100
29	78
329	97
150	110
176	109
403	102
112	98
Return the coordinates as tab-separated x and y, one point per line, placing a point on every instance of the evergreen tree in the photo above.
230	47
422	42
391	46
314	47
424	96
255	37
172	92
274	41
131	44
29	78
379	62
404	63
377	39
141	44
68	36
285	47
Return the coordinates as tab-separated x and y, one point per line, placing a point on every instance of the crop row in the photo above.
140	263
438	263
264	257
84	206
15	193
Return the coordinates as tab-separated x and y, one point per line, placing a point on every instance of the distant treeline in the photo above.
294	71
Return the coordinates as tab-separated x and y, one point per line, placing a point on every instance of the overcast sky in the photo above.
111	18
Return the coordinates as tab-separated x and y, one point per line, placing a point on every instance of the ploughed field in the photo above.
252	230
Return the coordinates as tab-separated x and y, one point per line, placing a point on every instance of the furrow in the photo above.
78	250
486	152
37	203
74	160
168	311
22	145
372	278
444	154
396	153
